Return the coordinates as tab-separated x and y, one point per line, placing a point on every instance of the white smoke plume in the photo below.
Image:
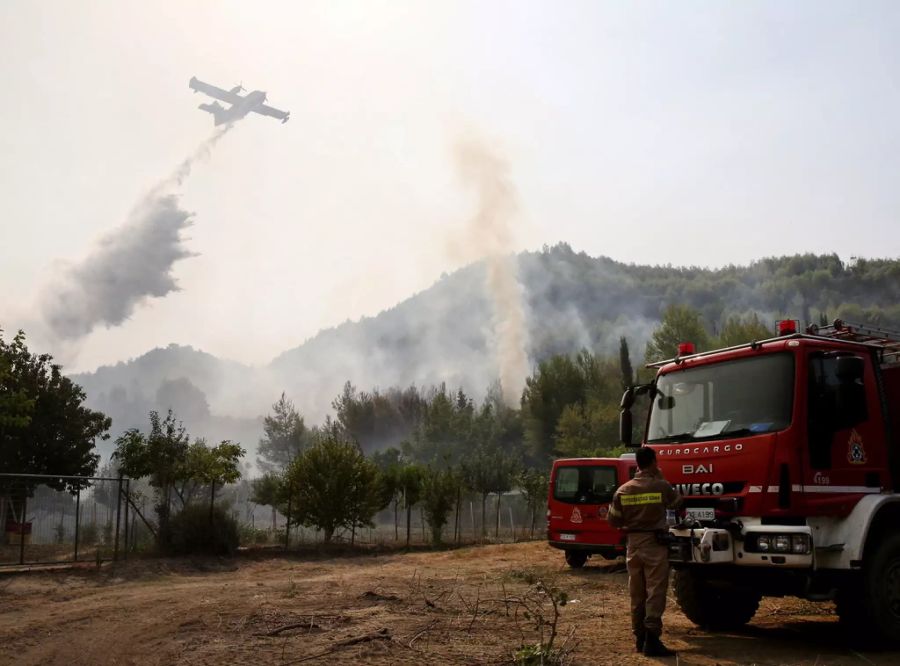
490	234
130	264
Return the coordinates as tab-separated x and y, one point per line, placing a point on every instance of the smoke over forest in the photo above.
490	232
445	333
130	264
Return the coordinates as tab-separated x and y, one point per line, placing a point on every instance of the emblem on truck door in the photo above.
856	453
576	516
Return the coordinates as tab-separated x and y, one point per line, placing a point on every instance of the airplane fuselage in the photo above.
250	102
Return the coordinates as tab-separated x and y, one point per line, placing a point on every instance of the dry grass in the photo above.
458	606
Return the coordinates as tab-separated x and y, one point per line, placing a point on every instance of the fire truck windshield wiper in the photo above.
682	437
738	432
689	436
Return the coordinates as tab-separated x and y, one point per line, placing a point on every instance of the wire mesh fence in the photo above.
50	519
265	526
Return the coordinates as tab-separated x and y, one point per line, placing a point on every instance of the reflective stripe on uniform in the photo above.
641	498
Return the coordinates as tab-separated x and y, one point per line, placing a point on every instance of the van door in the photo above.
581	495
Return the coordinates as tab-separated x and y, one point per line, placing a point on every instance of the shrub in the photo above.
89	534
192	532
333	485
59	533
250	535
438	495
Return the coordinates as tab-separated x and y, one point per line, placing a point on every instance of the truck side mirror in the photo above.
625	422
625	428
627	399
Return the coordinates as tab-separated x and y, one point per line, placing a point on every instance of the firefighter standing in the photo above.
639	507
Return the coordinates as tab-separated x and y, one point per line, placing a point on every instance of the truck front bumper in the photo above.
743	544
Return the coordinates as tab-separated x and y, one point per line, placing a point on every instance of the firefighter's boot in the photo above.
653	647
639	641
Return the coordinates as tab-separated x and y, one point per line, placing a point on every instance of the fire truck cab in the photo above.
787	452
580	492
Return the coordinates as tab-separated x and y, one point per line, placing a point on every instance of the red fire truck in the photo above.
787	452
580	492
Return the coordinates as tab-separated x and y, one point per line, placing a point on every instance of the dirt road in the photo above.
461	607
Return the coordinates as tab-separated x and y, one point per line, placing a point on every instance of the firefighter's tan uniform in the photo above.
639	507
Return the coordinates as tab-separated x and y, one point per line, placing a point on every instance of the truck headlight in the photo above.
800	544
794	544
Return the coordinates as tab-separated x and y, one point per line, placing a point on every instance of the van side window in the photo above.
602	485
585	484
566	483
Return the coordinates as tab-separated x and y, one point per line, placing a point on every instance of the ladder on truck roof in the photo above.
888	341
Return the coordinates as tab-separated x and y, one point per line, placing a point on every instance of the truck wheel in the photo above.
575	558
878	604
850	604
714	604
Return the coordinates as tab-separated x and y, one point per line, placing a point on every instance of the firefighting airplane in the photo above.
240	106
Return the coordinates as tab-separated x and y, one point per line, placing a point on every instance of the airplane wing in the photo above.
283	116
224	95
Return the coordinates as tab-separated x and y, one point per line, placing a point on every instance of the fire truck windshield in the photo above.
739	398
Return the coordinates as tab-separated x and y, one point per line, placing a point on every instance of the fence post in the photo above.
118	516
287	524
127	495
77	518
456	521
22	527
212	500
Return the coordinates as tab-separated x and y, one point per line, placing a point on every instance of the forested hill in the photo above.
576	301
443	334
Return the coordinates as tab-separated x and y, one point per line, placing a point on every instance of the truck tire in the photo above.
850	605
714	605
874	608
576	558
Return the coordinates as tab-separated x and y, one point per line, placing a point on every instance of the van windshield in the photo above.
738	398
585	484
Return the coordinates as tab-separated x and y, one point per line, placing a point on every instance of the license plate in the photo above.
567	537
701	514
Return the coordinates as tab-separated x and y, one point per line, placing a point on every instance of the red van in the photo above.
580	492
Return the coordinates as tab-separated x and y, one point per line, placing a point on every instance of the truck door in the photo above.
844	454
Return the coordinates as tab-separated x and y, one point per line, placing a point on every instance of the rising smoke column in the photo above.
130	264
490	234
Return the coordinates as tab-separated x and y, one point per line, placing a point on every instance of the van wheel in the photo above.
717	605
575	558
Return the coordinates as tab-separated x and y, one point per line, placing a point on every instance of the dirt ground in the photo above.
459	606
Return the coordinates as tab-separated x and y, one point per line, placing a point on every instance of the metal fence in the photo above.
49	519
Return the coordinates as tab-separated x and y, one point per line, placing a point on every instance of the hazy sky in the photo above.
680	132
